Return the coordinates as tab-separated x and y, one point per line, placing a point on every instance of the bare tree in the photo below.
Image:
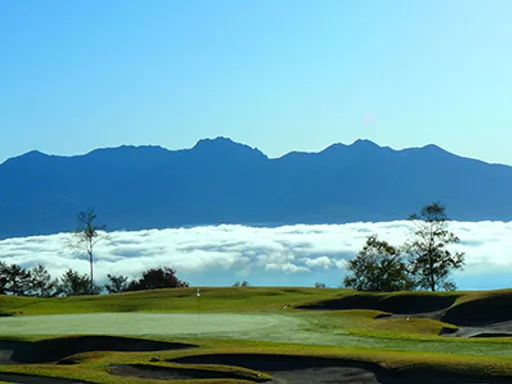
87	235
430	261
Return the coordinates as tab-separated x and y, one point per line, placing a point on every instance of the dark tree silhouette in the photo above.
74	284
155	278
41	282
117	284
14	280
378	267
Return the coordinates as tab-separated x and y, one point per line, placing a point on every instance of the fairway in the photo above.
145	324
256	327
238	327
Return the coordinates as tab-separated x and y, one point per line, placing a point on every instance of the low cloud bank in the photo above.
287	255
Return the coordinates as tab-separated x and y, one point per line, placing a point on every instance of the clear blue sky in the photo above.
280	75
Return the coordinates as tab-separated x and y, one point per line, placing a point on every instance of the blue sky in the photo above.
280	75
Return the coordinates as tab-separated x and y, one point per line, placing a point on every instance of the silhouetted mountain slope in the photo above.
220	181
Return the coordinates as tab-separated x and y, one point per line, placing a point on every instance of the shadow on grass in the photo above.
397	304
55	349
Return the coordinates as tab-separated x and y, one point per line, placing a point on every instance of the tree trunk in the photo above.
91	288
432	279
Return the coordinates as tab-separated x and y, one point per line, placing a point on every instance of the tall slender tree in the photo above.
431	263
86	236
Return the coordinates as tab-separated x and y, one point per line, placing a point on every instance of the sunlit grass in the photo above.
349	333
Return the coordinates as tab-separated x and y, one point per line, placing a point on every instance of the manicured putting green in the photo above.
143	324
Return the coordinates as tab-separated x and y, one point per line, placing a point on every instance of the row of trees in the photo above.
423	262
37	282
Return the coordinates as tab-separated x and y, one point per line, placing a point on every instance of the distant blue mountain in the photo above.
220	181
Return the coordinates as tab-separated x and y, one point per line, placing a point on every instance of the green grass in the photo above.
250	319
94	366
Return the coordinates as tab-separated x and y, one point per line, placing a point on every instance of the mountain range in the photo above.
219	181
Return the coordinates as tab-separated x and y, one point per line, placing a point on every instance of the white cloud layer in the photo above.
287	255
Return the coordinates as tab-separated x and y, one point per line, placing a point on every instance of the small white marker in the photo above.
198	293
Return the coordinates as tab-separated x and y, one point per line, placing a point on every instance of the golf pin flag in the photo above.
198	293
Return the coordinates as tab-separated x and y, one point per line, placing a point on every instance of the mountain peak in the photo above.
364	143
359	145
224	145
33	155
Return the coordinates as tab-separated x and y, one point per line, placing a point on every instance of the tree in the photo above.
87	235
431	263
14	280
319	285
4	279
74	284
378	267
241	284
41	283
117	284
155	278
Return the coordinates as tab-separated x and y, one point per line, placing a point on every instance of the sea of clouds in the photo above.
297	255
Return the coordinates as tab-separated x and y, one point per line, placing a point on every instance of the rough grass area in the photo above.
381	324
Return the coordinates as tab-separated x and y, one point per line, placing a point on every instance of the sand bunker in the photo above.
490	330
166	373
311	370
52	350
27	379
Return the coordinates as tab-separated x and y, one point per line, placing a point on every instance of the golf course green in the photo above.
250	334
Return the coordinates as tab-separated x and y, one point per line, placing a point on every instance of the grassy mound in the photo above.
399	326
222	299
481	309
398	303
54	349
